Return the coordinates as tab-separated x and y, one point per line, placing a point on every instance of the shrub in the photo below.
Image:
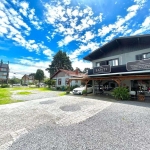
63	88
57	88
84	92
5	86
67	92
73	87
121	93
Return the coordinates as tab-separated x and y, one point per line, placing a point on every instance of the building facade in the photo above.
4	71
123	61
62	77
27	79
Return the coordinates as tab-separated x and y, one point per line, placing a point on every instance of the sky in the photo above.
33	31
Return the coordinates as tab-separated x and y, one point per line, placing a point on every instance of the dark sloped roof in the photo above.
120	41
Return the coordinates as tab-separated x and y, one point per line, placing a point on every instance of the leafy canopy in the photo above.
39	75
60	61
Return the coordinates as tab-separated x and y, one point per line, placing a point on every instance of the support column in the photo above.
69	86
86	82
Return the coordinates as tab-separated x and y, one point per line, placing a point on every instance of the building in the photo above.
62	77
124	61
28	79
4	71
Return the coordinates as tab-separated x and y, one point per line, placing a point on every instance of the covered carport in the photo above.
118	79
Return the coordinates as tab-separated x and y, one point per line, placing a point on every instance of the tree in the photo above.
85	70
14	80
60	61
50	82
39	75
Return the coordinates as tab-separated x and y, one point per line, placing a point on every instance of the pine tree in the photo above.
60	61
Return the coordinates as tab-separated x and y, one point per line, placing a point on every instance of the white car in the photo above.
80	89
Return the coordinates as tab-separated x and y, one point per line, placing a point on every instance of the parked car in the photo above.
80	89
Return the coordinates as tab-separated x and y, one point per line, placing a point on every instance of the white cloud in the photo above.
83	48
68	21
34	20
120	26
66	2
77	63
48	53
65	41
24	66
24	8
144	27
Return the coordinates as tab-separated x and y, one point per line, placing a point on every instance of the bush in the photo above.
63	88
73	87
84	92
5	86
57	88
121	93
67	92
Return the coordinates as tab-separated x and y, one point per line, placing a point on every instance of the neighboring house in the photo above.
4	71
62	77
27	79
123	61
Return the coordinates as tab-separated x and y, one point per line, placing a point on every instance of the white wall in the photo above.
123	58
63	81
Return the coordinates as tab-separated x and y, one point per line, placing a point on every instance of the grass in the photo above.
62	94
5	96
5	93
23	88
30	88
44	89
24	93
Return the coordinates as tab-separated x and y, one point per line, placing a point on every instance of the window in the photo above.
76	81
3	69
113	62
97	64
67	81
143	56
59	81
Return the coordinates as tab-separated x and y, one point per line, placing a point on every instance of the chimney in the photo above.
77	71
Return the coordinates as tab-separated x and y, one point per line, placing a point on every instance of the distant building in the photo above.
62	77
26	79
4	71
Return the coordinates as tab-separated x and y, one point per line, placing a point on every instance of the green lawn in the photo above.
24	93
5	96
5	93
30	88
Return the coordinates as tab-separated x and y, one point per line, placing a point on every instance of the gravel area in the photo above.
121	126
72	108
35	95
19	119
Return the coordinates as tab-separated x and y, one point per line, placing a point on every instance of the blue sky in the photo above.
32	31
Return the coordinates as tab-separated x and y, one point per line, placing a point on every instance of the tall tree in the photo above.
39	75
85	70
60	61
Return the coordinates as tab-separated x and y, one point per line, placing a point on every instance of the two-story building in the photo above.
124	61
28	79
4	71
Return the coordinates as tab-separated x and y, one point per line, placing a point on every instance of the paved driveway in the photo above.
75	123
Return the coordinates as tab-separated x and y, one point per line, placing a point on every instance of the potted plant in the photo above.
121	93
84	92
